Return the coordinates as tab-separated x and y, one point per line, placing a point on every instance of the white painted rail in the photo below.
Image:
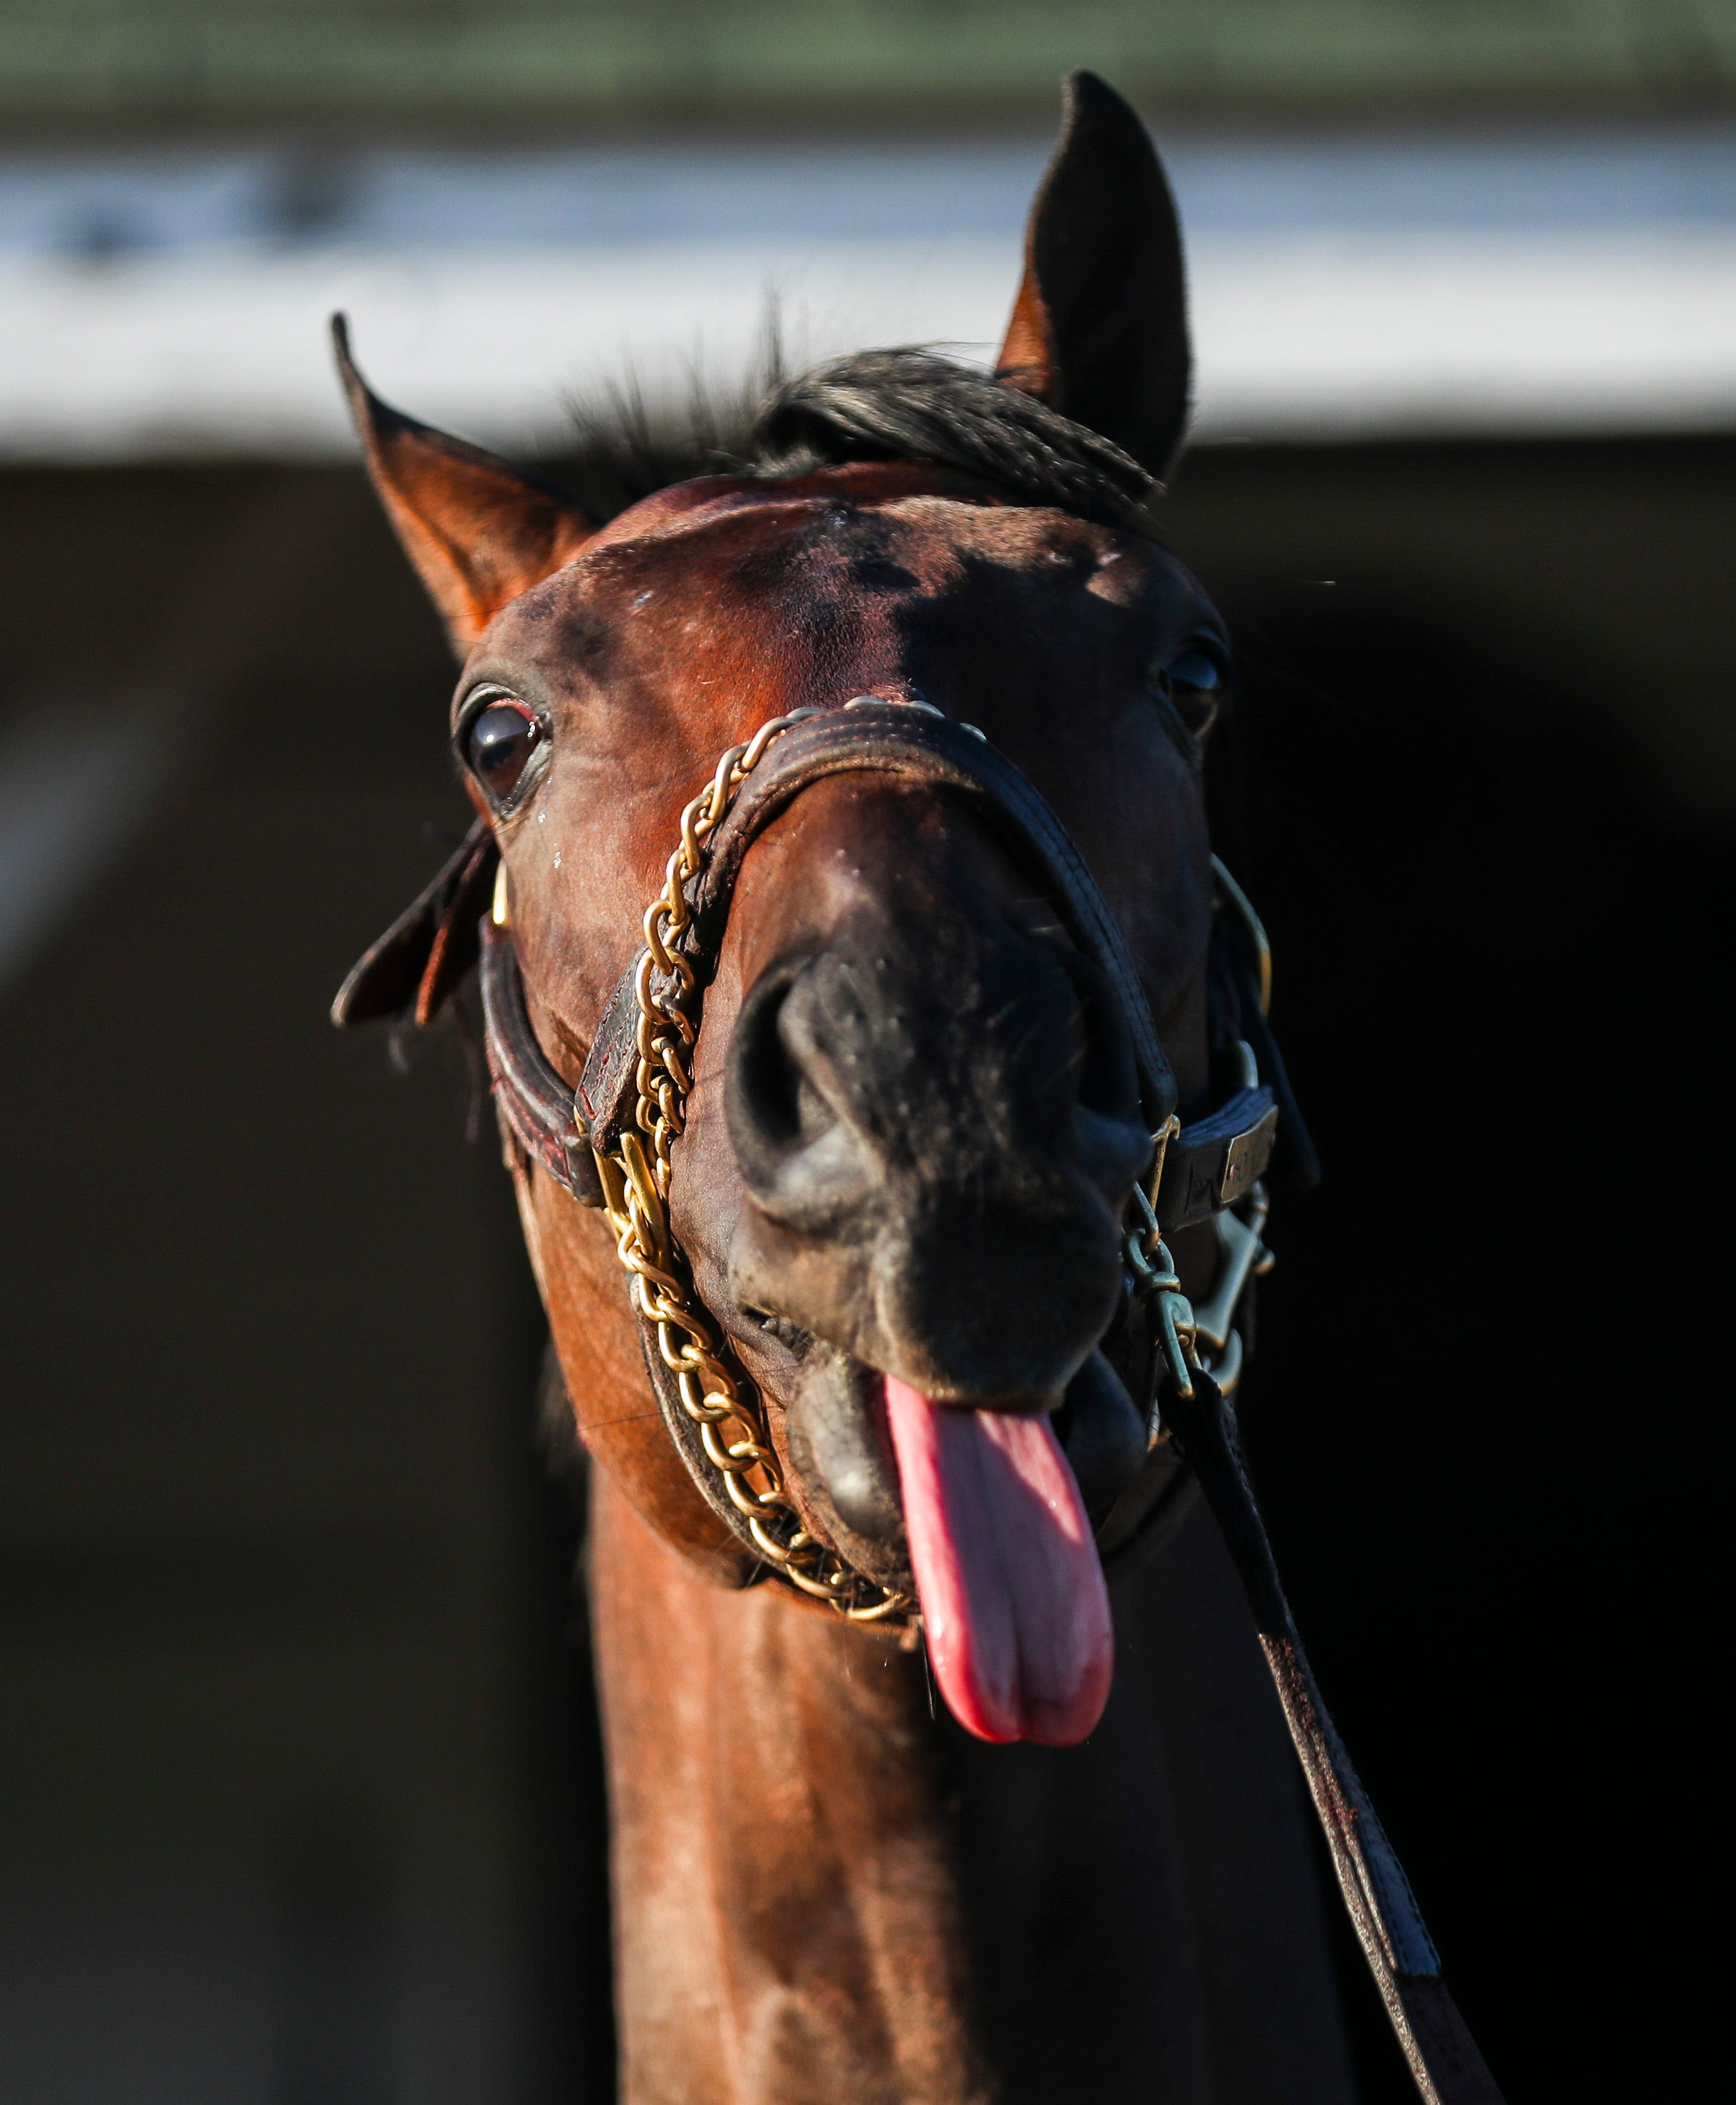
174	305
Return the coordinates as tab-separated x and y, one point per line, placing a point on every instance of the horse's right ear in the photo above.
479	530
1099	329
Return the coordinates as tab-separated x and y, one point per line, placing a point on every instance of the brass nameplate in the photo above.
1245	1158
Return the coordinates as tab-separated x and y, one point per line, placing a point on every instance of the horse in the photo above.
883	1070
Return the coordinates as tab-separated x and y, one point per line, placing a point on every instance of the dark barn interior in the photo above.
302	1799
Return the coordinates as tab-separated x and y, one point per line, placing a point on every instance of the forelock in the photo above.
911	405
908	405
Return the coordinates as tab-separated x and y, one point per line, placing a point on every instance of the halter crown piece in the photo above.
610	1145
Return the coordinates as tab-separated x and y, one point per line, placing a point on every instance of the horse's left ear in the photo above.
479	530
1099	329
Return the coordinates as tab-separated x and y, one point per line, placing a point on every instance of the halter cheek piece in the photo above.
608	1145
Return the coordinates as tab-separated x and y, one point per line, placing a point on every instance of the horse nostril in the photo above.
1081	1008
1110	1144
1107	1080
764	1085
785	1132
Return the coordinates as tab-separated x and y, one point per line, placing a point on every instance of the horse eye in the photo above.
1196	683
498	745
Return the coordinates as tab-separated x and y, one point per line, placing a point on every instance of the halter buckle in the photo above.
1185	1332
1243	1255
1154	1276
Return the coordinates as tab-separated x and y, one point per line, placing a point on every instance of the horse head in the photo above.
857	975
898	1174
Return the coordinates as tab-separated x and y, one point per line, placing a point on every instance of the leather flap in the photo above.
426	953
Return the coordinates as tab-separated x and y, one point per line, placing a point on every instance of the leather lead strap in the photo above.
1437	2044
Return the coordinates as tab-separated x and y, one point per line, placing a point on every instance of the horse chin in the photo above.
846	1474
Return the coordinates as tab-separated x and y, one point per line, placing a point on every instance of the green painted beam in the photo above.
493	61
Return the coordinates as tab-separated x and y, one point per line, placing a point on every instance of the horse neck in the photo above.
787	1920
798	1878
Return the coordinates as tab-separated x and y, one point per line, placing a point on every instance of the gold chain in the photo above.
636	1196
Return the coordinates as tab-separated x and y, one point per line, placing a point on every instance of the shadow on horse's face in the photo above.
915	1123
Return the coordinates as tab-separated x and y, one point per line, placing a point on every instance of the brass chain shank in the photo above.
636	1196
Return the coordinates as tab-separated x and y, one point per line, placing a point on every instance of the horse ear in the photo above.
1099	328
479	530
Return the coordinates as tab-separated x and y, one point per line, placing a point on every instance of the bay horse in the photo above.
901	1307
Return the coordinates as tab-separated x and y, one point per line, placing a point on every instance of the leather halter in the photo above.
1209	1164
1205	1168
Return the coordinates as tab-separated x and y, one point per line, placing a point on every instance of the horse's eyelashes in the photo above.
499	743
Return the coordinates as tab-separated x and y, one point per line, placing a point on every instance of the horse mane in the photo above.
908	403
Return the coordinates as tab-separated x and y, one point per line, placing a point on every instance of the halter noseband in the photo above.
1207	1165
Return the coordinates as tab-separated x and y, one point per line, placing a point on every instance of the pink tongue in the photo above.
1013	1599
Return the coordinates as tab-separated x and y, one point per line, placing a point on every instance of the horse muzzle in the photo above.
936	1155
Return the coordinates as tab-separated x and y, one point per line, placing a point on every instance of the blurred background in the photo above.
301	1801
